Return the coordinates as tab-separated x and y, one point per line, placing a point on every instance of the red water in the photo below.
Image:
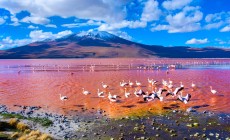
40	82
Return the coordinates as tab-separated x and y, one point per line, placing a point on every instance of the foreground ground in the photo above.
172	124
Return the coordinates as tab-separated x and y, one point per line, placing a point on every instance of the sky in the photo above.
195	23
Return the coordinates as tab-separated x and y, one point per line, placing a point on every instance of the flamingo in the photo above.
138	83
181	85
127	94
113	98
174	93
159	93
150	81
184	99
123	84
212	90
104	85
130	83
164	83
147	97
63	98
85	91
170	86
154	82
193	85
154	95
170	81
139	93
100	94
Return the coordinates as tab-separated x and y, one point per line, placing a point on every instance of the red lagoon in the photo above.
40	83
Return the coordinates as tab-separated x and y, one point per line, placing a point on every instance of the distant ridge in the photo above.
101	44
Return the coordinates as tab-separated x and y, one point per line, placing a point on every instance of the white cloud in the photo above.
172	29
14	19
105	10
221	42
32	27
35	20
7	40
123	24
2	21
122	34
213	25
197	41
88	23
38	35
189	15
63	33
71	25
225	29
8	43
151	11
185	21
51	26
160	27
217	20
216	17
175	4
5	17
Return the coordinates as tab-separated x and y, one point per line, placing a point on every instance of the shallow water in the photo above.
39	83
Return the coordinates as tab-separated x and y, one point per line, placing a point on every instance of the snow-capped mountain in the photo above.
98	38
100	44
97	35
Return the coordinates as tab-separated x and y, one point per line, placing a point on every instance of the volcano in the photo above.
101	44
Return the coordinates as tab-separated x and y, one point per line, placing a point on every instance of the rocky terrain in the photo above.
93	124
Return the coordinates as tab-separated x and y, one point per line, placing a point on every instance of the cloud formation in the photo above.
35	20
122	24
32	27
217	20
51	25
151	11
175	4
7	43
225	29
2	20
80	24
36	35
39	35
197	41
85	9
185	21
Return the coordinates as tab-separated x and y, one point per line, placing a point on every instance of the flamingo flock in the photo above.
155	93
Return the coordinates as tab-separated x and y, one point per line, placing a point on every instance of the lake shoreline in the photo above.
172	124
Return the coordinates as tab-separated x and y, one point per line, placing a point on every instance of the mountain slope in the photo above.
104	45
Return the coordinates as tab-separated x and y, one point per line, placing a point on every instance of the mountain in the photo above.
100	44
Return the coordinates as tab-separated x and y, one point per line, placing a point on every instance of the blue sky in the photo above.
195	23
